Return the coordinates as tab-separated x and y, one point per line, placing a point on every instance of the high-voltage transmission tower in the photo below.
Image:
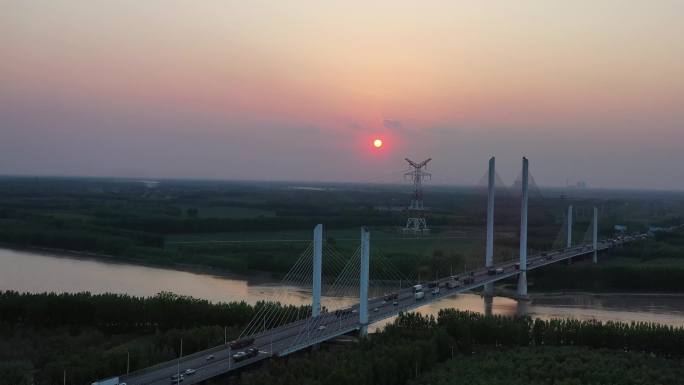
416	222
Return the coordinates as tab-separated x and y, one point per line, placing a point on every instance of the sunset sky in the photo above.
298	90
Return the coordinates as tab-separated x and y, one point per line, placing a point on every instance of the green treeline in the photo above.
91	336
165	225
554	365
118	312
471	329
414	345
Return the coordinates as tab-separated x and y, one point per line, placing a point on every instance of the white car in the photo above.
322	327
189	372
210	357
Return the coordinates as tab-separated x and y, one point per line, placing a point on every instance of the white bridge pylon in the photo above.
489	250
328	272
522	278
334	273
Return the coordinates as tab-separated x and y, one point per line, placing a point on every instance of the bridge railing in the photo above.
320	335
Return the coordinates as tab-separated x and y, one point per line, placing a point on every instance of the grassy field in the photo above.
434	253
234	212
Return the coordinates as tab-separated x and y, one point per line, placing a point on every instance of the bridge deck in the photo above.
305	333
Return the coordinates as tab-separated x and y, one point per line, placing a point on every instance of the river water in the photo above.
46	272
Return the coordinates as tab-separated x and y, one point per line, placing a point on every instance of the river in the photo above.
48	272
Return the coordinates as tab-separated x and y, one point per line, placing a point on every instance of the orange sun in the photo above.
377	143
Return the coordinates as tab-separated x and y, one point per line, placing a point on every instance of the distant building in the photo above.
620	228
150	183
389	208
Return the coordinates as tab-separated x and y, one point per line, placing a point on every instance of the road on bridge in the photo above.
307	332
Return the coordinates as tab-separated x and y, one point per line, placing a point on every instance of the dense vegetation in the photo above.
90	336
554	365
179	222
415	346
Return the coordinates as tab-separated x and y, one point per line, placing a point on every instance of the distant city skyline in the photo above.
589	91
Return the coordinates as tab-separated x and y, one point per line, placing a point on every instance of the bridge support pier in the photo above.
522	278
489	254
363	284
595	235
488	305
522	286
568	236
317	267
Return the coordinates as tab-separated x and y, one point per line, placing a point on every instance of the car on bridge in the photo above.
190	372
418	293
249	353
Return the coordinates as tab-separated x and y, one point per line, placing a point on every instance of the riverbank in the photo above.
253	275
45	272
510	291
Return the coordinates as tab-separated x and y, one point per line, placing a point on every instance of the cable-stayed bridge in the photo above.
382	291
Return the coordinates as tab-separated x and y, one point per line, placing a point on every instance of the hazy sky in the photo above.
589	90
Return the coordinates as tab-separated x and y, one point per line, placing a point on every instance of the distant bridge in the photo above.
321	325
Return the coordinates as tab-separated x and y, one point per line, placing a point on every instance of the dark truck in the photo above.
342	312
390	297
241	343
